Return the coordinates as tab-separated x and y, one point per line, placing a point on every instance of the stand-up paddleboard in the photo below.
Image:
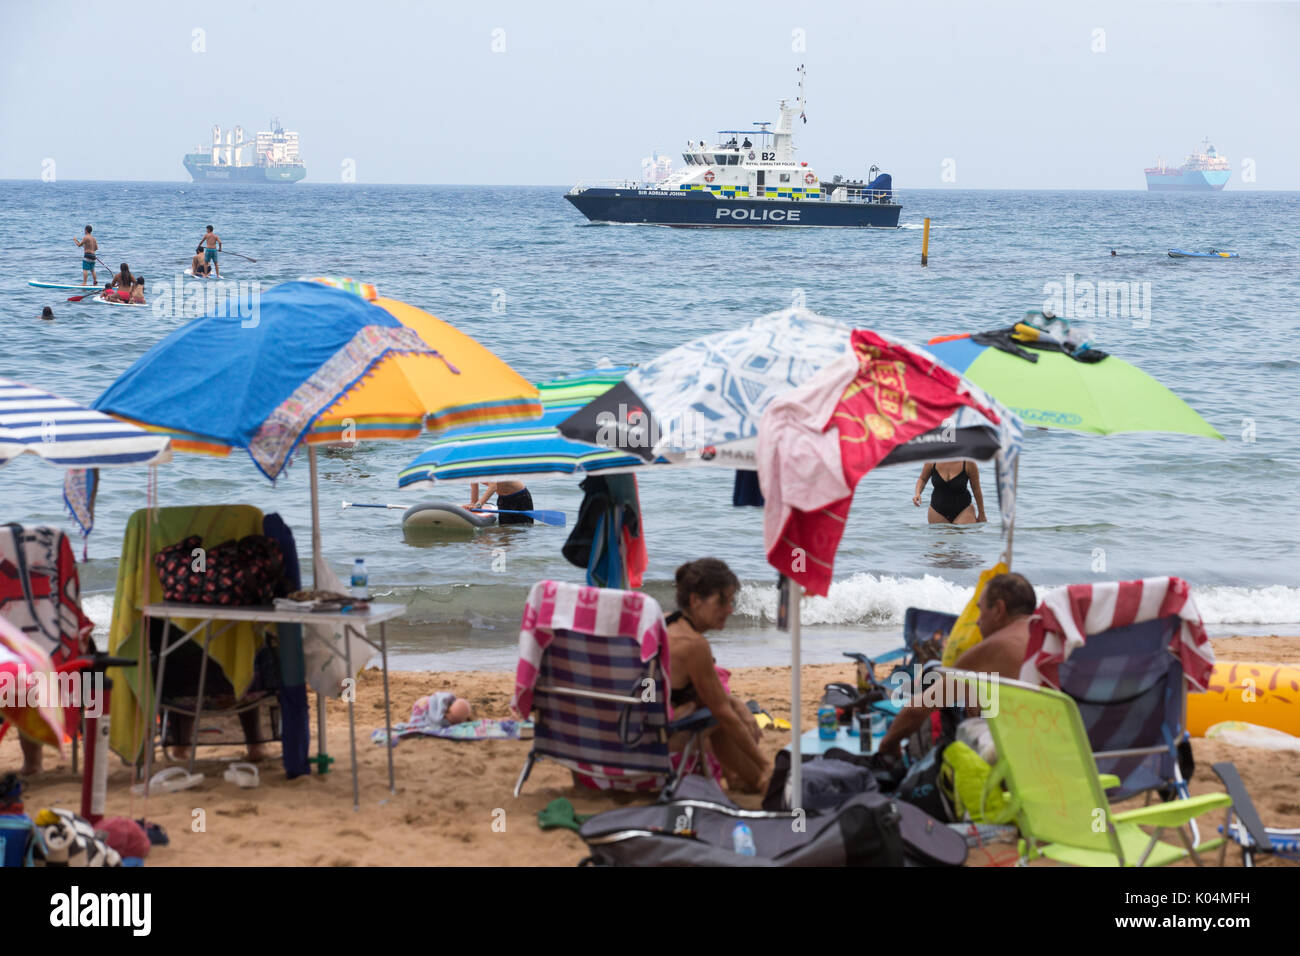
62	286
119	304
443	516
1184	254
190	273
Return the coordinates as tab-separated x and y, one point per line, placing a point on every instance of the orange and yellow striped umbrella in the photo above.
466	384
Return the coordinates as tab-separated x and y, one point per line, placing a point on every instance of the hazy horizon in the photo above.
940	95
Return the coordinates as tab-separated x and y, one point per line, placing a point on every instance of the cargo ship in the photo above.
272	157
749	178
1202	171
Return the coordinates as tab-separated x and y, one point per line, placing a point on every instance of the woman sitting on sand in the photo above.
950	501
705	591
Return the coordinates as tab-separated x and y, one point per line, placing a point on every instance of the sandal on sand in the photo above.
243	775
169	781
764	719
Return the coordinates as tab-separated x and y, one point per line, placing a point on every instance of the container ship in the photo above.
1202	171
749	178
270	158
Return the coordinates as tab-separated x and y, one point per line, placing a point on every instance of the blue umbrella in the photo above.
525	448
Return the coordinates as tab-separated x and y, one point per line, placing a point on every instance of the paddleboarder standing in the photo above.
89	246
212	245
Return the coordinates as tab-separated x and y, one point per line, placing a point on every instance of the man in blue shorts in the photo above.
211	246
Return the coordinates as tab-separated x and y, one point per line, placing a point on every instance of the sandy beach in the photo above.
454	804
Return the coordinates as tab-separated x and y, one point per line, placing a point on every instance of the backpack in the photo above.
698	827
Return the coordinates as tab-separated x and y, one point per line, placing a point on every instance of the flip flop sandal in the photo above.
243	775
764	719
168	781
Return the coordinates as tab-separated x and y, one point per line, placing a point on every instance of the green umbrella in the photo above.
1058	391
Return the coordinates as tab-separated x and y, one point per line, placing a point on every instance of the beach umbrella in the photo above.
289	375
527	448
700	403
23	668
1050	389
817	442
707	395
68	435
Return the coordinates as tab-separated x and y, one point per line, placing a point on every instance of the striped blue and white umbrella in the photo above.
524	449
34	421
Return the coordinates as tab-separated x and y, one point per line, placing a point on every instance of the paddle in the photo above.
240	254
554	518
78	298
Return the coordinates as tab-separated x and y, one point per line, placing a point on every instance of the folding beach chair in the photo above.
1247	829
1129	689
592	668
1056	792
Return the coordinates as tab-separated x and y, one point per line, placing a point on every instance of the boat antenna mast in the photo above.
783	139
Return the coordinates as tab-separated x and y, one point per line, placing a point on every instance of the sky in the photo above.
988	95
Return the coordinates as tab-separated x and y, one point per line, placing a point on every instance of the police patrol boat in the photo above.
751	182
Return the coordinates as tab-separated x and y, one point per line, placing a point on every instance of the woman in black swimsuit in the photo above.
706	590
950	501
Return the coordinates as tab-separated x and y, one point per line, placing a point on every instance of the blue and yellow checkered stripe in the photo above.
769	192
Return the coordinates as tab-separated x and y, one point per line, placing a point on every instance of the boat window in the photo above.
733	160
720	159
785	177
690	160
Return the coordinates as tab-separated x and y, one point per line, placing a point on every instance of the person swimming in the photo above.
950	499
47	313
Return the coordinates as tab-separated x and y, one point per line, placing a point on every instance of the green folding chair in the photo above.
1057	798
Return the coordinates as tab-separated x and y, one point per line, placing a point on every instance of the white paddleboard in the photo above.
190	273
121	305
63	286
444	516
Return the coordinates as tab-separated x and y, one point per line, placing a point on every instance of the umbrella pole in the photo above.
1011	527
315	515
796	705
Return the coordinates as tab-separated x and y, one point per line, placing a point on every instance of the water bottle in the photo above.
855	725
828	725
360	580
742	840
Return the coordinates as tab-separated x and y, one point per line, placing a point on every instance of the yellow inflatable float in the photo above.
1263	694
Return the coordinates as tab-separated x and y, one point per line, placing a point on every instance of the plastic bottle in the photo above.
855	725
360	580
742	840
828	725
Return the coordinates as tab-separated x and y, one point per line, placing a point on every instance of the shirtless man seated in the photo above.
1005	604
197	266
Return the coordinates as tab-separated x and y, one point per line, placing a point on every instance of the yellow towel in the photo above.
965	634
234	650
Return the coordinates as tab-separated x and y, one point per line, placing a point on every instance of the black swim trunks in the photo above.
519	501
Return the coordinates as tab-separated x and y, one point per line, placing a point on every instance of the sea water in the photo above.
520	270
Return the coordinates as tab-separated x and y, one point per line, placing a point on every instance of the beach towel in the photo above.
40	594
295	720
599	612
234	650
486	728
1068	615
895	394
40	591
